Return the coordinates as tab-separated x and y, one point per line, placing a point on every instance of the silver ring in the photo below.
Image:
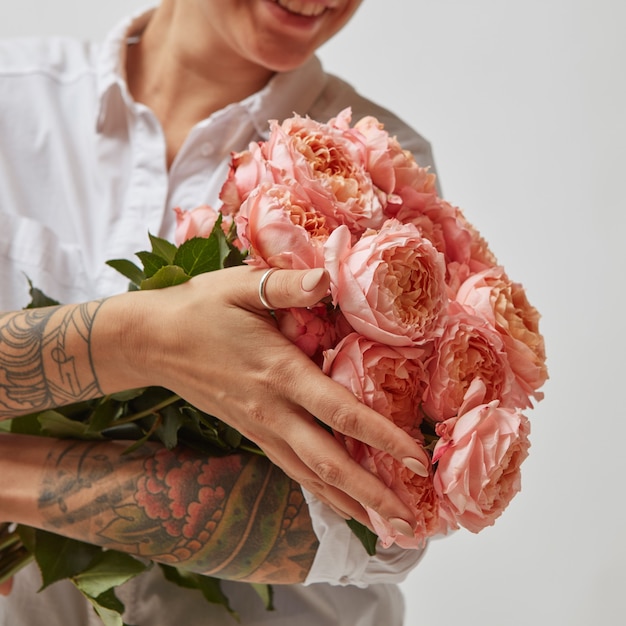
262	286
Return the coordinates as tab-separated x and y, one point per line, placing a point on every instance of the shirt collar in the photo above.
285	94
111	71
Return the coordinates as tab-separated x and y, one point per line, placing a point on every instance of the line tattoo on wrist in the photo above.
45	358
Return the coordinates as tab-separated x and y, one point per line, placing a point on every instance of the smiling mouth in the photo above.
302	8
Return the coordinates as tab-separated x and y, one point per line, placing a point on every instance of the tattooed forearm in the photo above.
236	517
45	358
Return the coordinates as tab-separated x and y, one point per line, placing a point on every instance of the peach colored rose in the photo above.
390	380
437	222
480	254
380	154
247	170
469	348
417	492
390	285
464	250
329	161
198	222
478	459
313	330
504	305
280	229
394	170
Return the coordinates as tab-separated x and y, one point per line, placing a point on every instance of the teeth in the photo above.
301	7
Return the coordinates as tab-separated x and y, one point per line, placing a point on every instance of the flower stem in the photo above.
8	541
150	411
252	449
13	553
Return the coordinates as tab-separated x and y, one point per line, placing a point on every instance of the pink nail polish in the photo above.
312	279
417	467
402	526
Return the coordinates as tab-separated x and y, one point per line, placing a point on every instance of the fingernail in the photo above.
402	526
417	467
312	279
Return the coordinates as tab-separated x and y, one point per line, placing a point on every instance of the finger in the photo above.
337	407
283	289
340	502
333	466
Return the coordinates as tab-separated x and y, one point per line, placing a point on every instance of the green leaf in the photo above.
213	429
167	276
130	431
104	415
167	432
54	424
38	298
59	557
365	536
235	257
137	444
26	425
108	607
27	535
152	263
266	593
107	571
127	396
231	436
202	254
128	269
163	248
210	587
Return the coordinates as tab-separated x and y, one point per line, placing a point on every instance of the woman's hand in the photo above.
212	342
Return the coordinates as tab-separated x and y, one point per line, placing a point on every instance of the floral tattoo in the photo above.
236	517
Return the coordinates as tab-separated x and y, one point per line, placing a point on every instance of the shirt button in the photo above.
344	580
207	149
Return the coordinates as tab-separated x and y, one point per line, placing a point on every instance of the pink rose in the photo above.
198	222
390	380
247	170
330	162
390	285
394	170
464	250
504	305
280	229
417	492
469	348
478	459
380	156
313	330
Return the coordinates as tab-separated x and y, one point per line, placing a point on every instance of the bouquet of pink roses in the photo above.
421	324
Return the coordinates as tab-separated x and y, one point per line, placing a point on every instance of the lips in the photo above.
305	8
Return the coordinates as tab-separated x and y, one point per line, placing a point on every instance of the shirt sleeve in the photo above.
341	558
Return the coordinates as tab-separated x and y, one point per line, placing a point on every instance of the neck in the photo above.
184	75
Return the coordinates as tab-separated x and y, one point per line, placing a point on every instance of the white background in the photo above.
525	104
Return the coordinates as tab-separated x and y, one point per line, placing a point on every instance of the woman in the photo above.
103	143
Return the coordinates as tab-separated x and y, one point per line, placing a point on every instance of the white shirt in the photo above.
83	179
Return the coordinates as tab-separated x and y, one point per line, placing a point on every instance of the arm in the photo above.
211	342
45	358
236	517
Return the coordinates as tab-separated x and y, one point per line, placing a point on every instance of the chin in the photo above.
282	62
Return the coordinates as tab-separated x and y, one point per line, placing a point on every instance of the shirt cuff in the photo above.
341	558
